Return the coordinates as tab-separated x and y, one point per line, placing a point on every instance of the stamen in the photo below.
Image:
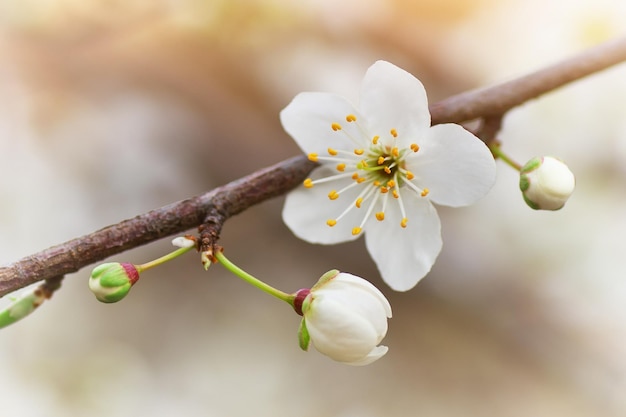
384	190
333	195
359	151
332	152
341	167
391	183
308	183
312	157
358	202
387	170
395	194
375	139
395	151
351	118
409	175
360	180
415	147
402	210
380	216
335	126
394	133
421	191
356	231
331	222
381	160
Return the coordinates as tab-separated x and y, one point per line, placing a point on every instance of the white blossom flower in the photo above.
546	183
345	317
381	166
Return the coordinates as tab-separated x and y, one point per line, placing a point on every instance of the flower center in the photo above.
377	166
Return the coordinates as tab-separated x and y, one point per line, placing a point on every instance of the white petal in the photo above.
456	166
306	211
308	119
392	98
358	301
405	255
374	355
363	285
339	332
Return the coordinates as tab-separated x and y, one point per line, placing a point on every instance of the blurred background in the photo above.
110	108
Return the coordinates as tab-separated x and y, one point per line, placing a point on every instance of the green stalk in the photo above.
288	298
163	259
497	151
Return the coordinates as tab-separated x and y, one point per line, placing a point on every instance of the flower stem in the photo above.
497	151
288	298
163	259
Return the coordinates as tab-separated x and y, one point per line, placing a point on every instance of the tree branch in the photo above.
215	207
178	217
498	99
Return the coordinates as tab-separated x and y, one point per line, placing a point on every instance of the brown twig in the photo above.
215	207
497	100
178	217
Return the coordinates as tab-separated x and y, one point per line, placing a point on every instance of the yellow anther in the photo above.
391	183
381	160
375	139
356	231
360	180
362	164
359	151
332	151
395	194
404	222
380	216
341	167
425	192
415	147
409	175
312	157
351	118
358	202
308	183
335	126
333	195
376	183
387	169
395	151
355	176
384	190
331	222
394	133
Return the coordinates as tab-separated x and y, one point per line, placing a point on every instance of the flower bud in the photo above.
345	317
546	183
110	282
22	306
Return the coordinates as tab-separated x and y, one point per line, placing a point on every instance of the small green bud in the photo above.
546	183
110	282
22	306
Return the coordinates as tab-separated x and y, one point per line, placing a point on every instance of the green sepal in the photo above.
303	336
116	296
532	165
524	182
325	278
530	203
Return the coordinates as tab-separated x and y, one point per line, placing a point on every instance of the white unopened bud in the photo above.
345	317
546	183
